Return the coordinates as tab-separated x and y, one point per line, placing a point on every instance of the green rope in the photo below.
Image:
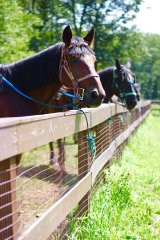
92	144
110	119
90	138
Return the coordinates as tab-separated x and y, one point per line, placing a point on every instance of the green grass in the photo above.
155	106
127	206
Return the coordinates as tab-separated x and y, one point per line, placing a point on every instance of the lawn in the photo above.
127	206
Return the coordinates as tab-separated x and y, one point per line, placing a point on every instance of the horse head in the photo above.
77	68
123	83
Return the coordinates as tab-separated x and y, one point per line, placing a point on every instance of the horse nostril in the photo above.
132	103
94	95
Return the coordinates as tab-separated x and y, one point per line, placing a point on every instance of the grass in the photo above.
127	206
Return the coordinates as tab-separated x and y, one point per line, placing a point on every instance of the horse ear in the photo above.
117	63
67	36
89	37
128	65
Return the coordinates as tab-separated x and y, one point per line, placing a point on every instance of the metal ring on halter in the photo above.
80	93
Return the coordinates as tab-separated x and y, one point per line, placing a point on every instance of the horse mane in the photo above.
41	68
35	71
109	70
79	47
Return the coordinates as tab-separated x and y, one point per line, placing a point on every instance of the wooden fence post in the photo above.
83	166
8	203
106	135
99	142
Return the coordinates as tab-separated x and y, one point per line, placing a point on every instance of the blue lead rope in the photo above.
35	100
90	138
68	94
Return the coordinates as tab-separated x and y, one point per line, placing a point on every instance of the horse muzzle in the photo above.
93	98
131	102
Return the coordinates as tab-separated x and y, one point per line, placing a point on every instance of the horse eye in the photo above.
74	60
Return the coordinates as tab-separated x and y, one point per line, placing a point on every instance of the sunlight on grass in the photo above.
127	207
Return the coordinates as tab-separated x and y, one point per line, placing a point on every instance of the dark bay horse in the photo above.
69	63
117	80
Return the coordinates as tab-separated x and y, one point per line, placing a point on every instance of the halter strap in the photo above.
88	76
121	93
130	94
65	66
73	79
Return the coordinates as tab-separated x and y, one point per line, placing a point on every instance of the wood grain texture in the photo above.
18	135
48	222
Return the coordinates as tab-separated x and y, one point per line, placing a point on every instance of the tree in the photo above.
15	31
147	68
109	19
105	16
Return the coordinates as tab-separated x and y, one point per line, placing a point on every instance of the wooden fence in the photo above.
112	125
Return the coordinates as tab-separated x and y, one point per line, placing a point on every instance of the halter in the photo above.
122	94
78	92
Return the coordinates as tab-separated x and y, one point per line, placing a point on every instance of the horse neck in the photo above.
106	77
37	73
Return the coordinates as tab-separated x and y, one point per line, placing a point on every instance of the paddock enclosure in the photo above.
37	199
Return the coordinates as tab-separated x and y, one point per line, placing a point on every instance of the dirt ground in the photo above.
40	184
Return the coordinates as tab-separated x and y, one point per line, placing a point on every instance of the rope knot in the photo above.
92	144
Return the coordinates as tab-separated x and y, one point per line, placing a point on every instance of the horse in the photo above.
69	63
119	81
116	80
28	85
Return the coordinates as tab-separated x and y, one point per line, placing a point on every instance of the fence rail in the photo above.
20	135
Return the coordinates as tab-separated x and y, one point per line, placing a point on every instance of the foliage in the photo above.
127	206
29	26
107	17
147	68
15	31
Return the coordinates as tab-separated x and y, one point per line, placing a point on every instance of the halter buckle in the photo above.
79	94
121	95
65	62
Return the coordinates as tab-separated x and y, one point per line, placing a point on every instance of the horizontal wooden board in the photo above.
22	134
49	221
8	142
100	162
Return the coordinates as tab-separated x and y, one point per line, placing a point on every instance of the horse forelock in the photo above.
79	47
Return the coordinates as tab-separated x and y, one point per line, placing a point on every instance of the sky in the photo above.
148	18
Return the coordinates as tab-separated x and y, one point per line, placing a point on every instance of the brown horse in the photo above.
70	63
119	81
